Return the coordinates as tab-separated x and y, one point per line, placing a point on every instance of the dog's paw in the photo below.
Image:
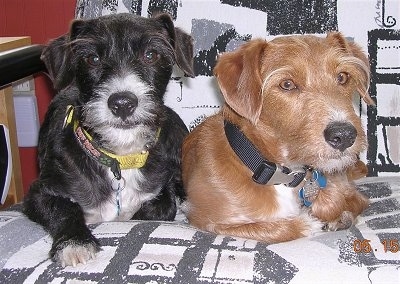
345	221
313	225
72	252
185	207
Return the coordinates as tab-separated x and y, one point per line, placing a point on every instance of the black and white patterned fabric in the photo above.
174	252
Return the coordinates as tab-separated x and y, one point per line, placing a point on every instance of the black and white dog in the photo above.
109	149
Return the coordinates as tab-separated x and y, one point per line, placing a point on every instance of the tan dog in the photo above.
284	139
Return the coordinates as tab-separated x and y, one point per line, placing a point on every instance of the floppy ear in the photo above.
56	56
353	49
184	52
182	43
239	77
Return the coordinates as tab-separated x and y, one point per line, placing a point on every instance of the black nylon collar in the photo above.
264	171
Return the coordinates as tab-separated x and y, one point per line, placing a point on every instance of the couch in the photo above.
175	252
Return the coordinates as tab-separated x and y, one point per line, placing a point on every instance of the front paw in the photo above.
72	252
345	221
313	226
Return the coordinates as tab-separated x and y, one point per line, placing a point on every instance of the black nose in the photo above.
122	104
340	135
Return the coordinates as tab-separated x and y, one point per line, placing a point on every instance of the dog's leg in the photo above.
163	207
357	171
356	203
281	230
73	242
339	205
345	221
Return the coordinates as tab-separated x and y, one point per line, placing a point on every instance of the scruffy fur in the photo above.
114	71
283	95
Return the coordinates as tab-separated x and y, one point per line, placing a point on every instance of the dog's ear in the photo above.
77	27
239	77
184	52
56	57
182	43
351	48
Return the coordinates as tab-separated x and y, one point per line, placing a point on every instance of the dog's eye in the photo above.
342	78
151	56
93	60
288	85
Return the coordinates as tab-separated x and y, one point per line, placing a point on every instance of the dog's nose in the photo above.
122	104
340	135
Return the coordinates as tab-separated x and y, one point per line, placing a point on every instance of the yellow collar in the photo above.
115	162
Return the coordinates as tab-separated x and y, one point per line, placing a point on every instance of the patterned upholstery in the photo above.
174	252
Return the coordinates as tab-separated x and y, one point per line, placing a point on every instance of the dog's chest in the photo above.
124	201
288	202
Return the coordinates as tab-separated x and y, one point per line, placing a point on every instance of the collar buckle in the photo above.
264	172
270	173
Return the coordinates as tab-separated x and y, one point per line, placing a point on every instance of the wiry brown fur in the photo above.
287	127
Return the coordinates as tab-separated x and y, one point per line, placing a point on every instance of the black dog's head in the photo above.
121	65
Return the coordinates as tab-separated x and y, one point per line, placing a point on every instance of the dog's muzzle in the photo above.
340	135
122	104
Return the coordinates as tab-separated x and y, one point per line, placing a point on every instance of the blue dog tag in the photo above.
320	178
311	187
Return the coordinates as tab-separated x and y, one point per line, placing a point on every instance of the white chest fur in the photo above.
288	201
130	198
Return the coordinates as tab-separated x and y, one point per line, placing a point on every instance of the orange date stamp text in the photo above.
364	246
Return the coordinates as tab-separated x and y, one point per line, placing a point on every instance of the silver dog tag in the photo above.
118	185
309	191
311	188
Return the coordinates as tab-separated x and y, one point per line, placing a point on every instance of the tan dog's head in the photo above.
296	92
